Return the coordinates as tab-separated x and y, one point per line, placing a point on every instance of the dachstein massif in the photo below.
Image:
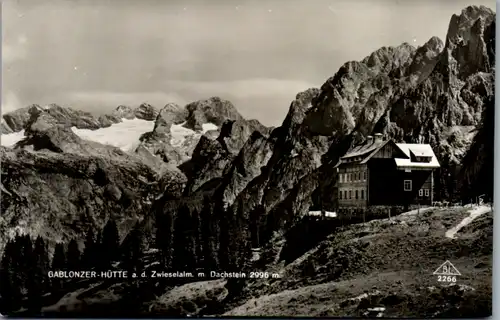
203	189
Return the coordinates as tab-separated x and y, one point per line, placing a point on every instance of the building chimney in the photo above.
378	137
369	139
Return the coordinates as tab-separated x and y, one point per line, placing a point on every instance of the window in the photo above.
340	195
340	177
427	192
420	192
345	194
364	173
356	194
407	185
362	194
359	176
350	176
350	194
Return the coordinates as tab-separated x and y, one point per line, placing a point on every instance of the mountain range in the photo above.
63	174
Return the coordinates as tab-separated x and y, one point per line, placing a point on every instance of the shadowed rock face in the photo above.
4	127
158	141
57	185
108	120
17	119
214	110
477	170
170	114
212	157
61	196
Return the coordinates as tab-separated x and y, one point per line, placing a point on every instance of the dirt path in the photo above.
474	213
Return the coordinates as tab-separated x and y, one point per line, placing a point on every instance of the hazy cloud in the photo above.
10	102
255	98
14	51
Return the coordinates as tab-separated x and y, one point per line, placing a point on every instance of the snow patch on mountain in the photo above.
124	135
180	133
10	139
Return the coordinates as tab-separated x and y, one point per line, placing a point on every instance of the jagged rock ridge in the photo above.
410	94
208	119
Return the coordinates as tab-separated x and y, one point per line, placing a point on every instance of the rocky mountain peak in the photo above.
300	106
170	114
434	44
470	42
16	120
39	122
45	132
461	24
386	59
146	112
213	110
75	118
123	111
425	59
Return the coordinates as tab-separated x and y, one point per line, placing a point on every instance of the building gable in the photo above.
387	151
418	156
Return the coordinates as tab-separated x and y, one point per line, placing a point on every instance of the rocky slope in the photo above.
214	110
57	185
477	169
212	157
50	141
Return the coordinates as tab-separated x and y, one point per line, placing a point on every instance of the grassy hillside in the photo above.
383	263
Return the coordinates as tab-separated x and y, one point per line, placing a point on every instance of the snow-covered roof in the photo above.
419	150
363	153
364	149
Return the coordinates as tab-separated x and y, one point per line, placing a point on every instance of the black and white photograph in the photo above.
244	158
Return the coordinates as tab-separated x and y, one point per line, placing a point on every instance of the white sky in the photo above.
95	55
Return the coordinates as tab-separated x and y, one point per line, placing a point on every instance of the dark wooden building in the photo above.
387	174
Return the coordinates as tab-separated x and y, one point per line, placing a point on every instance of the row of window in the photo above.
423	192
353	176
349	194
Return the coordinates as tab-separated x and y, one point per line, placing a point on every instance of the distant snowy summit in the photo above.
170	133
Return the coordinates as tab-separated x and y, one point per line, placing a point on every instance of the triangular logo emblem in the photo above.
447	269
